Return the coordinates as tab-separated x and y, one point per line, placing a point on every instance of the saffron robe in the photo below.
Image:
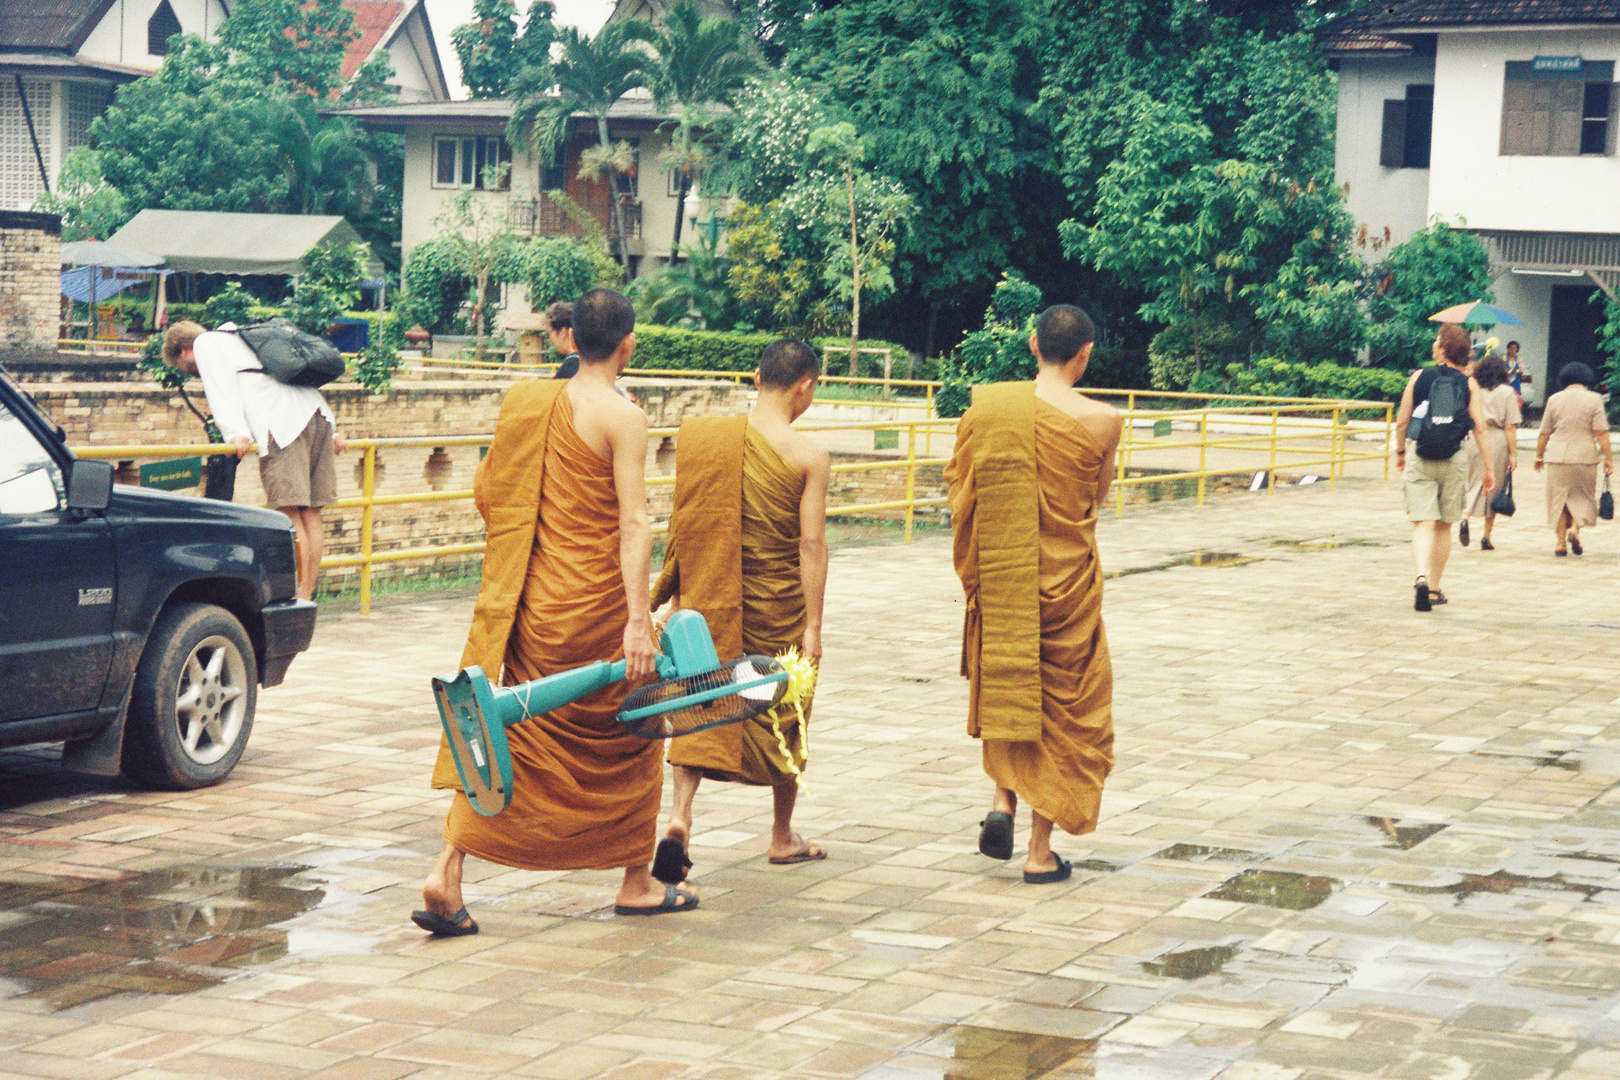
1023	482
585	792
733	555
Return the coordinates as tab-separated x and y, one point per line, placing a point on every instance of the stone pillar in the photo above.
30	280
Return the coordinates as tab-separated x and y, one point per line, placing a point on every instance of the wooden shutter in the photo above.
1614	119
1568	103
1392	149
1515	119
1539	139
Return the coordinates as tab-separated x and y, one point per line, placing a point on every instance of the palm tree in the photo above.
326	170
590	76
702	62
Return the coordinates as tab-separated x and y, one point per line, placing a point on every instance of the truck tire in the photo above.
191	709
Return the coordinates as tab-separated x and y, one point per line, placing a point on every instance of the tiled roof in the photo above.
51	25
1353	35
1426	14
373	19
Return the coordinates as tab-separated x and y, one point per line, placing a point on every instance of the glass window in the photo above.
461	161
162	26
30	482
444	172
1595	119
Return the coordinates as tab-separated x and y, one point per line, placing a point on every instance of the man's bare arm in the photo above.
1105	475
813	549
627	441
1403	420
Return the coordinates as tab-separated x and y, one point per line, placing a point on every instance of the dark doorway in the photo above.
1573	333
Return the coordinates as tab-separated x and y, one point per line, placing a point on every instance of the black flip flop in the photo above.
1436	598
1050	877
1574	545
996	835
670	862
671	893
439	926
1421	600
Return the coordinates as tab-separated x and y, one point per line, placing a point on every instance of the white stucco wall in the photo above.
1378	198
120	37
410	54
1470	180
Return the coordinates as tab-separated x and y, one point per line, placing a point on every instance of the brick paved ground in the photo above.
1343	840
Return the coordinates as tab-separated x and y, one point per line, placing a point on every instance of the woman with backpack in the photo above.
1439	407
1495	442
1574	431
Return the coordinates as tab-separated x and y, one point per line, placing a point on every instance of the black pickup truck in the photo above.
135	626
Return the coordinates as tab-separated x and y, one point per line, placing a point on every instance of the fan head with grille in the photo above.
733	692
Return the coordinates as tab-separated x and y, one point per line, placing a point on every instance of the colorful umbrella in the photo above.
1475	313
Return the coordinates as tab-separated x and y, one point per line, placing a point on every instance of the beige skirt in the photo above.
1478	502
1572	487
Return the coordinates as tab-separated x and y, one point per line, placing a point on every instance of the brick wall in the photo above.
132	414
30	279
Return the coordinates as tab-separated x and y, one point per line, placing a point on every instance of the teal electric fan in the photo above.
695	692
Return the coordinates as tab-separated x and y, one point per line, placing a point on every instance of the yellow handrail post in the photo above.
368	491
1271	472
1203	451
911	477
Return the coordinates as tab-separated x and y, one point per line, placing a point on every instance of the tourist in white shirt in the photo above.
292	425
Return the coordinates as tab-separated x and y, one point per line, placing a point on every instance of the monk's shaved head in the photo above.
603	318
1061	332
785	361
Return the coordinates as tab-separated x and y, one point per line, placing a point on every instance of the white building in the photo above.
448	144
67	56
1498	116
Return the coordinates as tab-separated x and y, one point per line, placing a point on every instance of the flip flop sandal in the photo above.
1420	600
670	861
996	835
671	897
810	854
1436	597
1049	877
1462	533
439	926
1574	545
1486	545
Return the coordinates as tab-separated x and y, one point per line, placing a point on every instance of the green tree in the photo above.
702	62
774	283
90	208
325	169
481	244
591	75
695	294
492	47
1433	269
1609	345
297	45
555	268
998	351
329	286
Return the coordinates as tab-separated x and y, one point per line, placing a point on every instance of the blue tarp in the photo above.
76	282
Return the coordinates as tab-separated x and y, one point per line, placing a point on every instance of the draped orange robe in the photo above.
734	556
1023	510
585	792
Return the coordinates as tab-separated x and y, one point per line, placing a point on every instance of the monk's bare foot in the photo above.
642	890
794	849
442	898
1045	865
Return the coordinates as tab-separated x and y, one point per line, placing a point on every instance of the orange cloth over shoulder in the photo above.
1023	510
585	792
734	556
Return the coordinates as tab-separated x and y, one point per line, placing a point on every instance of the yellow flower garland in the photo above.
801	672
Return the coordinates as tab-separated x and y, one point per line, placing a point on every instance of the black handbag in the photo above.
1606	502
1502	501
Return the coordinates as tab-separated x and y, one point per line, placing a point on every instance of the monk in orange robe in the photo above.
1031	467
565	583
748	549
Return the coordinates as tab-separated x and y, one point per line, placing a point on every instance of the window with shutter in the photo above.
1614	120
1568	101
1392	148
162	26
1516	119
1557	112
1595	119
1419	126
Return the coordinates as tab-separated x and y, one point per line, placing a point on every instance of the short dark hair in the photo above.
560	316
603	318
785	361
1491	372
1061	332
1577	373
1514	345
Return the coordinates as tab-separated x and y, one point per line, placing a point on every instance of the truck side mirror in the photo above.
90	485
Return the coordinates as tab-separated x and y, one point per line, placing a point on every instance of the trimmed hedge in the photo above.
712	350
1283	378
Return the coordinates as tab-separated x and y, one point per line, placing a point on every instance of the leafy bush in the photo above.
1281	378
231	304
376	366
1435	268
708	350
328	287
434	285
555	269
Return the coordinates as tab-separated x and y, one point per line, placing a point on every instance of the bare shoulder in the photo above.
1089	410
798	450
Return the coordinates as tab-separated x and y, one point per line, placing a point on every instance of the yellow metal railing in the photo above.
1291	434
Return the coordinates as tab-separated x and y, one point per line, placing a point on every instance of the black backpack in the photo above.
1439	433
292	356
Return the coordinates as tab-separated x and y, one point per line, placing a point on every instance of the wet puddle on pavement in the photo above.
1504	882
1404	837
68	941
976	1053
1205	853
1191	963
1193	558
1276	888
1325	545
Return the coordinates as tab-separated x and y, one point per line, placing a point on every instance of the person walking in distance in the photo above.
560	331
1032	465
1439	407
748	549
292	425
1495	442
1574	434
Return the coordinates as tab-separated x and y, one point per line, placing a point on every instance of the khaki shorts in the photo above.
304	473
1435	490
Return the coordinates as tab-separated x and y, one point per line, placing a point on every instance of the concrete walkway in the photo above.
1342	840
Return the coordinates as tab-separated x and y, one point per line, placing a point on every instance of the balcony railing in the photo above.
543	216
